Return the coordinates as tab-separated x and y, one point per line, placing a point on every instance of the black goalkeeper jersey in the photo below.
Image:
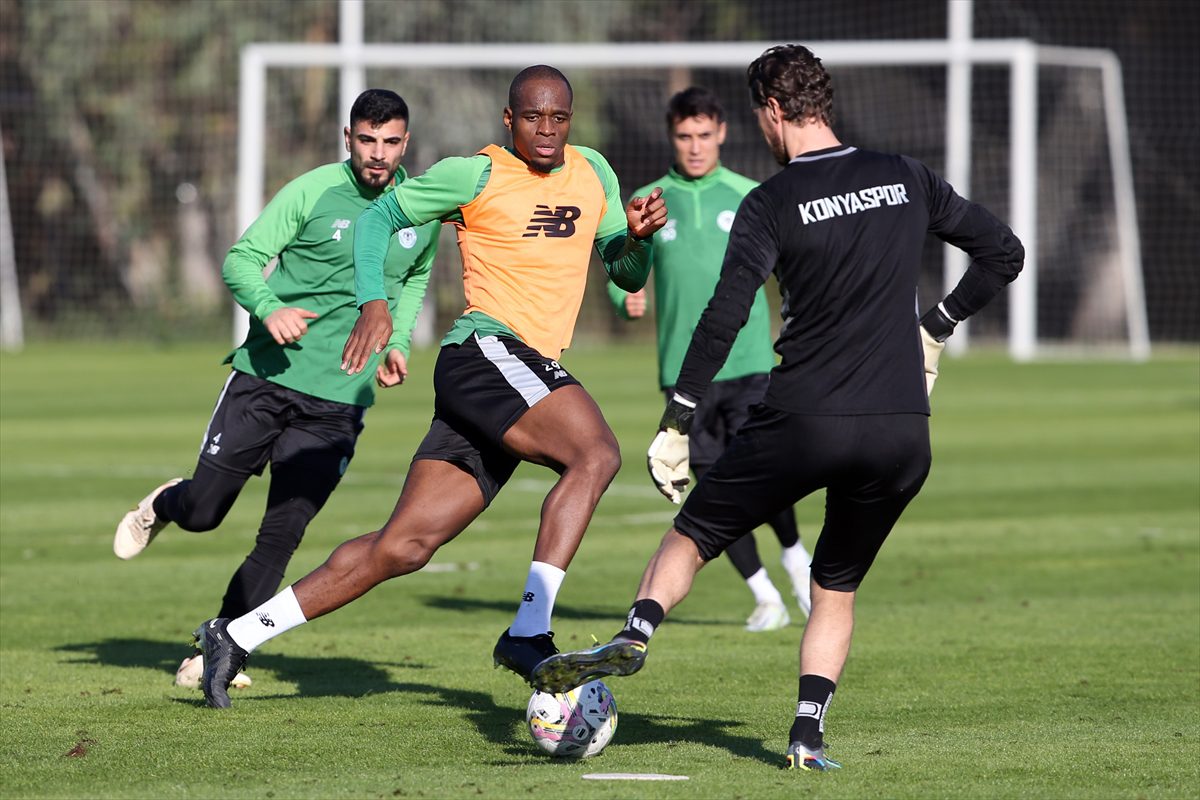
843	230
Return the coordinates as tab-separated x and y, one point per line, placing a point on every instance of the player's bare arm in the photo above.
646	214
369	336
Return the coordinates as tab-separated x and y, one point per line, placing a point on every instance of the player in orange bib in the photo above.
528	217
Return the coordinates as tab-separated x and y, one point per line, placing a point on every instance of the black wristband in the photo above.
937	323
677	415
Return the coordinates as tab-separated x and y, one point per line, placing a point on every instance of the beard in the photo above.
778	150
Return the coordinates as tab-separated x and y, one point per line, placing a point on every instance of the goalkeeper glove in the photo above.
936	327
667	458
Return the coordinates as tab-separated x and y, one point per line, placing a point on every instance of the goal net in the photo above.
1047	150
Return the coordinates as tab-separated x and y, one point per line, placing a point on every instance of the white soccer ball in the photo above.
574	724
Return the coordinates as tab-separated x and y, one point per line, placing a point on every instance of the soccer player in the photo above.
528	217
285	401
847	408
686	262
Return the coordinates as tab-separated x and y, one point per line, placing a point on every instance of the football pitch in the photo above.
1030	630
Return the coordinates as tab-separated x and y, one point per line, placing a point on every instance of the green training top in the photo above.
687	257
309	224
453	182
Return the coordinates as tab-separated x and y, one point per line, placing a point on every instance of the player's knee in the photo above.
400	557
200	519
604	461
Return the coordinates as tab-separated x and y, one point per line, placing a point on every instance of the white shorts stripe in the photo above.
220	397
515	371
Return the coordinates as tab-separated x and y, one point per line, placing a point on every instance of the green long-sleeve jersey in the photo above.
309	225
686	263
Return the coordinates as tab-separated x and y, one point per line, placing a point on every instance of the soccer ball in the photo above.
574	724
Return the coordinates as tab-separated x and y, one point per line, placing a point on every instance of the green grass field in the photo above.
1031	629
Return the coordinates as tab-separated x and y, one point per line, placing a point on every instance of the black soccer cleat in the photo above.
565	671
223	660
522	653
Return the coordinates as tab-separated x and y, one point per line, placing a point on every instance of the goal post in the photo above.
1021	57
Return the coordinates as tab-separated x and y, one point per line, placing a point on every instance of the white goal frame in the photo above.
1021	56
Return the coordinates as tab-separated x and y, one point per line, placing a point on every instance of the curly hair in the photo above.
795	78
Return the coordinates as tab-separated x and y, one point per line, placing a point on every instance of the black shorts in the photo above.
726	406
870	465
257	421
481	388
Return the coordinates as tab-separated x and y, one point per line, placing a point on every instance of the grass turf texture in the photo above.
1031	629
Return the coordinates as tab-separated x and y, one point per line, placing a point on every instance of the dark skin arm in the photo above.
370	335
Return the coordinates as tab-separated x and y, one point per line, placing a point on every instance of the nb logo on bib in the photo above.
556	224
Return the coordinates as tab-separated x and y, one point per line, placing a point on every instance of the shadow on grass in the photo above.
318	676
614	615
494	722
337	676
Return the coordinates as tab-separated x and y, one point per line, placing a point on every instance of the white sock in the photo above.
764	591
795	557
541	587
280	613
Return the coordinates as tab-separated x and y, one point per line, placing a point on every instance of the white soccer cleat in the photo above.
191	670
139	527
768	616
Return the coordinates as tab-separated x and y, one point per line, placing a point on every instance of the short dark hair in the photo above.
795	78
695	101
536	73
378	106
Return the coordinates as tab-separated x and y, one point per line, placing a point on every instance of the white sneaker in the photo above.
802	587
768	616
191	670
139	527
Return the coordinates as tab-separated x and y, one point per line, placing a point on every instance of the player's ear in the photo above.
721	134
508	118
346	134
774	112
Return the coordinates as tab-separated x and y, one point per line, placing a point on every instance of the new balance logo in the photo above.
527	597
215	447
556	224
265	619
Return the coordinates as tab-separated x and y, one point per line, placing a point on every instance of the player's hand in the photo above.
936	327
635	304
667	458
369	336
646	215
933	351
288	324
392	370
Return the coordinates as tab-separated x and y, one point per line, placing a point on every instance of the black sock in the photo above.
816	693
644	617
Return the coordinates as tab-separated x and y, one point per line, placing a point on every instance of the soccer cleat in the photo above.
223	660
191	671
522	653
768	616
800	757
139	526
565	671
